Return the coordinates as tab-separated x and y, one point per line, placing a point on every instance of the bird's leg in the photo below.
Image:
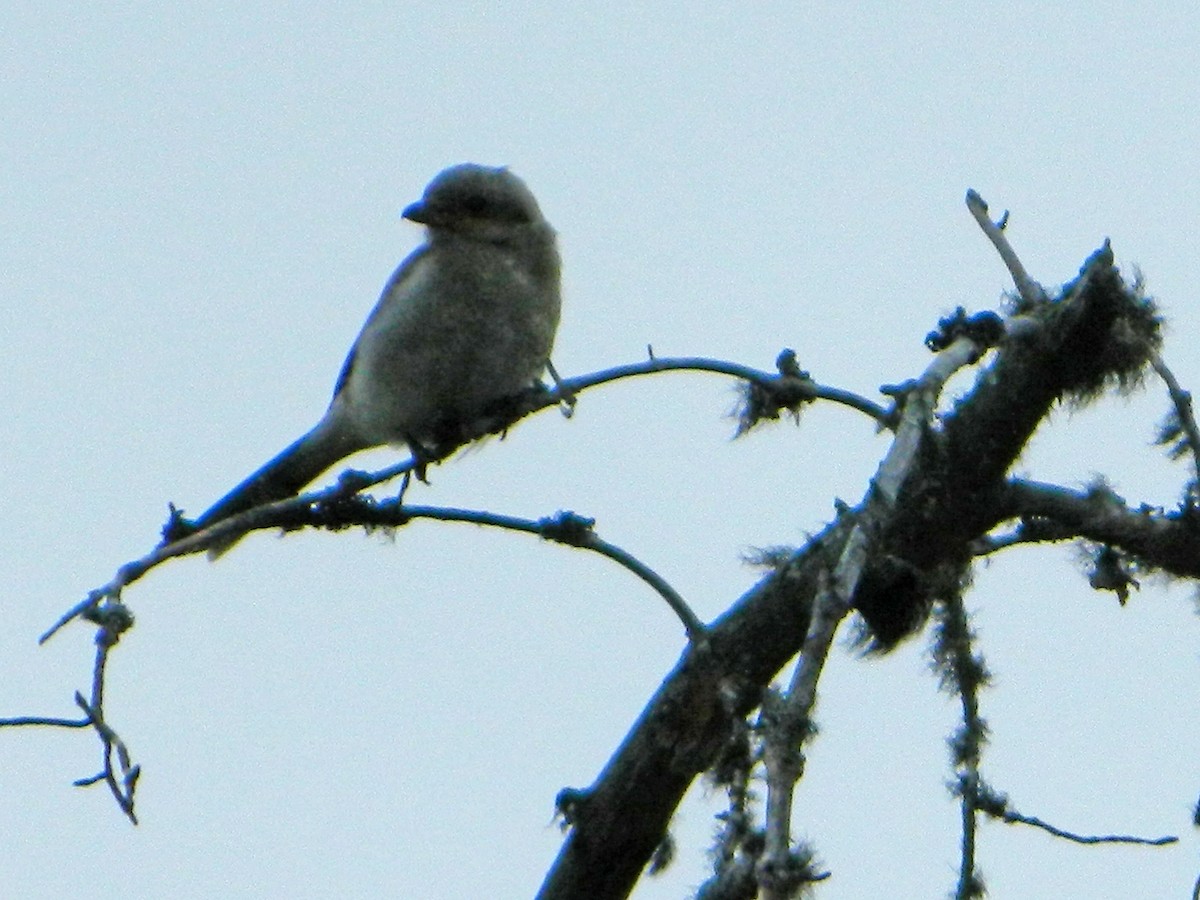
566	400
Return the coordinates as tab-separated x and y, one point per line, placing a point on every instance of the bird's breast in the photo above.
452	334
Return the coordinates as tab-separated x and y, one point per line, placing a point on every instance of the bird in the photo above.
467	320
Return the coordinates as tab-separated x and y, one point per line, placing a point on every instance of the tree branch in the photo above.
563	528
1013	817
1031	292
1167	541
331	509
998	806
1182	401
938	490
1098	333
617	823
121	778
962	672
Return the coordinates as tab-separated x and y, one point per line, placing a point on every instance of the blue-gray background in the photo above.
198	208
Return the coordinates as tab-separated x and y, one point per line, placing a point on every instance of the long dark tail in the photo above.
284	475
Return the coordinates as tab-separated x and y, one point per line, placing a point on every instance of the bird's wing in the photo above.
402	272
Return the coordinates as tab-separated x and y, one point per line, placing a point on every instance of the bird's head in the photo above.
480	201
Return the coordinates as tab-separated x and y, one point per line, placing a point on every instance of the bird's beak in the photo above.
416	212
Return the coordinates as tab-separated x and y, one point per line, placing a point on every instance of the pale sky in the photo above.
198	209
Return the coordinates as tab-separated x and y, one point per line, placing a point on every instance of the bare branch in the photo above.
48	721
1182	401
1168	541
787	718
941	486
787	724
122	785
330	508
1097	335
113	620
803	387
997	805
1034	530
563	528
1031	292
963	672
1013	817
617	823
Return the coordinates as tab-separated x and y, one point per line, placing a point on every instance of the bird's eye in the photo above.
476	205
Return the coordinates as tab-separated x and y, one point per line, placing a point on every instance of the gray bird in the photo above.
467	320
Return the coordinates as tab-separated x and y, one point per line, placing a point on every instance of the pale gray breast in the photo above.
460	325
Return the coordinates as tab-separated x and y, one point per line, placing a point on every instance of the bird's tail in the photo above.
283	476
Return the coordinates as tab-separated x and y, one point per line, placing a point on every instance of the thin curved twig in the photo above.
567	389
882	415
120	774
122	787
998	806
695	628
1013	817
563	528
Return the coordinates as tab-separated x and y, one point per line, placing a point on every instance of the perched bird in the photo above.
467	320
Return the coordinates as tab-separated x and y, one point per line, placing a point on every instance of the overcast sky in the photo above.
197	210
